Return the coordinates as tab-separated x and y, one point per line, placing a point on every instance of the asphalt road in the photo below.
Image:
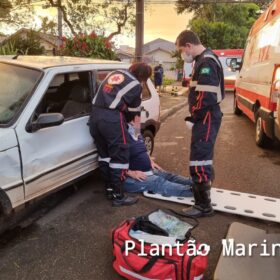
72	240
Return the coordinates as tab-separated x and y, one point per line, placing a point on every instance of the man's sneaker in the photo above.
197	211
124	201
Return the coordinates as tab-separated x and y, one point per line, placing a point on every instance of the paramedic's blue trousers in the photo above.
204	134
109	130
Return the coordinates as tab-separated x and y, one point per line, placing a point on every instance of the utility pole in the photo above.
139	30
59	22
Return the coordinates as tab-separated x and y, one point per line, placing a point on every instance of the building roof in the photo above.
158	49
51	39
124	53
159	44
42	62
126	49
2	37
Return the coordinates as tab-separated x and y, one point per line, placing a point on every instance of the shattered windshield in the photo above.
16	84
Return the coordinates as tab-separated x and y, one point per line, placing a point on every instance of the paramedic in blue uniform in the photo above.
206	93
120	92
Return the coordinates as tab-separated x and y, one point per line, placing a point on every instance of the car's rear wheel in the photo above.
149	140
261	138
236	109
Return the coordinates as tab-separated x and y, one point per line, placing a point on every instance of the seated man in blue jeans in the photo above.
144	174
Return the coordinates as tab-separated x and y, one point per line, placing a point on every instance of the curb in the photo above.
169	112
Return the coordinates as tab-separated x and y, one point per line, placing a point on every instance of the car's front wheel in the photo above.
261	138
149	140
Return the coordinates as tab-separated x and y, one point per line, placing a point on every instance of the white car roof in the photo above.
42	62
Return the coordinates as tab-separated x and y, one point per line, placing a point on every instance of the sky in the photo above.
160	21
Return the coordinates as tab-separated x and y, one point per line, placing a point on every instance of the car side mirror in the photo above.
233	64
46	120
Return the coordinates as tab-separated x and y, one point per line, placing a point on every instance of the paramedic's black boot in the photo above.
105	173
202	207
119	199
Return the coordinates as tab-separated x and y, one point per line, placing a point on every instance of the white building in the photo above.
154	52
126	53
161	51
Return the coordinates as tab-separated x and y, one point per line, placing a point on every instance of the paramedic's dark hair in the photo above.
130	116
141	71
187	36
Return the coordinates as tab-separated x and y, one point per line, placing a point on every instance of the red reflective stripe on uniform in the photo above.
203	173
200	178
207	116
123	134
209	127
201	98
199	101
195	107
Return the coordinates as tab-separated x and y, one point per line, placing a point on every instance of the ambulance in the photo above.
225	57
257	86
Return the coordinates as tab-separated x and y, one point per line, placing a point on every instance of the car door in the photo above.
56	155
150	103
277	119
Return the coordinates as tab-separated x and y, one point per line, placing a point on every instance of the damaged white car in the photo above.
44	137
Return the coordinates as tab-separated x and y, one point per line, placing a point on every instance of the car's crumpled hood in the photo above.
8	139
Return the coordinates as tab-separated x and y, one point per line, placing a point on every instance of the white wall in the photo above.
160	56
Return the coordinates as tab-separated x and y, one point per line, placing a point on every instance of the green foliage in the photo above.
222	26
29	45
179	61
91	45
78	15
13	13
48	26
167	82
8	49
5	8
196	6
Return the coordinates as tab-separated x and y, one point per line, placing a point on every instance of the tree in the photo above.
80	16
179	61
196	6
29	45
221	26
48	26
92	45
15	12
5	8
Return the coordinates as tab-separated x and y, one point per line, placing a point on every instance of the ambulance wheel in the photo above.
236	110
261	138
149	140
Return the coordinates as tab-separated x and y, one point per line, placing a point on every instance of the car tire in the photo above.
236	110
149	140
262	139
